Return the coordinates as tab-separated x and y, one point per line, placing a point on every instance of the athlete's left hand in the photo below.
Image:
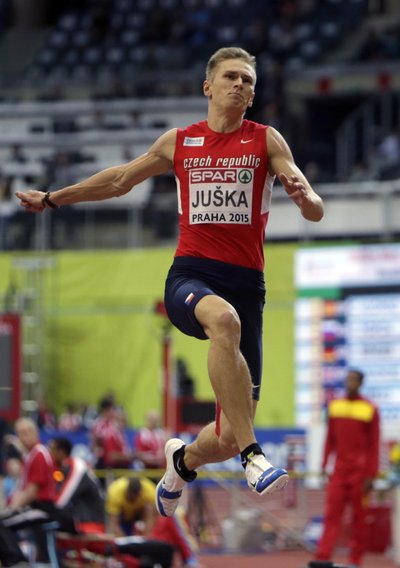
294	188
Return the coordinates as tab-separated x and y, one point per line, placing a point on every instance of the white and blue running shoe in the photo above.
262	477
169	489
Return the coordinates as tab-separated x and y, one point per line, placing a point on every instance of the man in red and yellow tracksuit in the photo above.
353	436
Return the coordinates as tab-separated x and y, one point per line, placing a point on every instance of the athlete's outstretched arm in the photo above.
282	164
111	182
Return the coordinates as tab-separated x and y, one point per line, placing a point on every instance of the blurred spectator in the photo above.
88	415
4	431
388	150
360	172
80	495
374	48
11	554
121	417
33	502
175	531
387	156
103	121
70	420
136	120
160	210
44	416
38	483
12	446
64	124
314	173
17	155
97	121
12	478
381	44
78	491
128	502
150	441
108	438
352	437
60	171
110	395
130	508
282	38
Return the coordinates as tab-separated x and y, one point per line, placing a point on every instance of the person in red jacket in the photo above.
149	442
108	439
176	531
33	502
353	436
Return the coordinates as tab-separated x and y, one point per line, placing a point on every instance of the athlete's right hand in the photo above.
31	200
294	187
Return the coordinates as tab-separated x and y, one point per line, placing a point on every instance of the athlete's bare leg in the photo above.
227	368
210	448
230	379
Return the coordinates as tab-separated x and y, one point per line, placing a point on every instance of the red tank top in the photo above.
224	193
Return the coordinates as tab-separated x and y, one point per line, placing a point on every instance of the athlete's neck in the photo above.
224	123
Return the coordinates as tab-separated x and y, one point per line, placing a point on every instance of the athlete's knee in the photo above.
226	324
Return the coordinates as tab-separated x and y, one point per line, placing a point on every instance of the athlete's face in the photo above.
232	84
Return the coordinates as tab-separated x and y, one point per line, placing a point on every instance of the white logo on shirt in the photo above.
198	141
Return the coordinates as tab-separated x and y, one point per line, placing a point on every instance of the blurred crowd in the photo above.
108	45
381	44
111	442
42	482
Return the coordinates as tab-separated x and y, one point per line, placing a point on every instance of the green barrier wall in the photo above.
102	333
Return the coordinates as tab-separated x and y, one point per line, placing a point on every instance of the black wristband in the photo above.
46	201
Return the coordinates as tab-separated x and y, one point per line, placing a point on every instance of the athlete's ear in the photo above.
207	88
251	99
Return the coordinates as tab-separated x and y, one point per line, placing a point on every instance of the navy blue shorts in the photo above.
190	279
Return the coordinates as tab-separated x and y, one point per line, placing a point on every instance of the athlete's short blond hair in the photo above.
229	53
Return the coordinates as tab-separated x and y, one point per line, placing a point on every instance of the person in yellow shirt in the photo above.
129	500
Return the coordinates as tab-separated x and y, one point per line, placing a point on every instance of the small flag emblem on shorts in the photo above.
189	298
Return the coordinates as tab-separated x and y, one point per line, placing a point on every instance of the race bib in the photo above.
221	195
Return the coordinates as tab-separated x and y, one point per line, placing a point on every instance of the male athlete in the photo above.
225	167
